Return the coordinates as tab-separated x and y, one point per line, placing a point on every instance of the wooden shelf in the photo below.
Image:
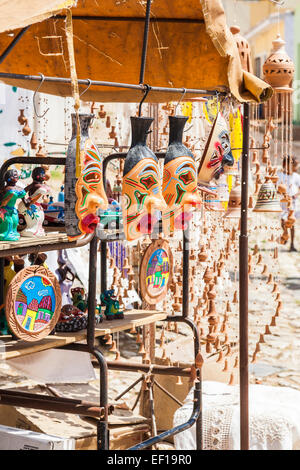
10	349
51	237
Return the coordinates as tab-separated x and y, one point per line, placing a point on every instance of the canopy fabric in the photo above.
21	13
189	46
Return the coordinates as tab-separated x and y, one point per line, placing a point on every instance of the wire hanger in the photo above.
148	88
88	86
34	95
180	99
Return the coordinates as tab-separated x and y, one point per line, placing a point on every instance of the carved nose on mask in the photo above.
155	202
228	160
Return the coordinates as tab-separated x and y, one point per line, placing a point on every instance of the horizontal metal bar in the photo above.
194	91
134	18
47	403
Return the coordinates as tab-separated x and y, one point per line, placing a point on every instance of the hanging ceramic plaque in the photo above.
33	303
156	272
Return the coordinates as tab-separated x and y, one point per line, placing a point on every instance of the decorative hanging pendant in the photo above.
83	195
141	191
217	152
33	303
279	68
234	204
179	179
156	272
267	200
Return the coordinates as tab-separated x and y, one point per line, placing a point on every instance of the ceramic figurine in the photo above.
179	179
217	153
141	189
84	189
111	304
73	319
9	218
33	212
79	298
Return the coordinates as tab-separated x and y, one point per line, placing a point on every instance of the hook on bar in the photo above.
34	95
88	86
146	92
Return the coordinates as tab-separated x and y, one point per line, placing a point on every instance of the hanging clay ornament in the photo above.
33	141
217	152
84	189
21	117
141	188
234	205
9	218
33	303
156	272
267	200
32	211
279	68
179	179
243	48
26	129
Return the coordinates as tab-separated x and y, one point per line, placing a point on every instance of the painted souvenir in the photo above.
234	205
141	191
112	306
79	298
217	153
32	211
156	272
84	190
9	218
179	179
267	200
33	303
72	319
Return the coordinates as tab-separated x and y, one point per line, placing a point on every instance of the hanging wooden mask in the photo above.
179	179
33	303
84	189
141	190
217	152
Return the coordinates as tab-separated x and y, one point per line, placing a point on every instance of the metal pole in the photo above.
243	288
145	42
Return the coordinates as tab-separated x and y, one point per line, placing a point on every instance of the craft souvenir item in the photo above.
84	190
112	305
234	205
179	179
267	200
141	191
9	218
72	319
217	153
79	298
32	211
156	272
33	303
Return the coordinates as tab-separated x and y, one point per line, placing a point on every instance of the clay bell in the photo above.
243	48
267	200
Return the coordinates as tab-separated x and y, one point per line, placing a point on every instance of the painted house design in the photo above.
31	313
158	270
44	313
21	306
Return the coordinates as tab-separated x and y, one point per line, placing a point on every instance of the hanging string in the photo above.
74	85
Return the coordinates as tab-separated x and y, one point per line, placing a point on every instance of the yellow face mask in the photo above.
141	190
179	180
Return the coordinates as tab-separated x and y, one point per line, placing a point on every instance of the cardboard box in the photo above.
125	431
19	439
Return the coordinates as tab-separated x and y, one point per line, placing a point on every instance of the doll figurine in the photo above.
79	298
33	212
9	218
141	190
112	306
179	180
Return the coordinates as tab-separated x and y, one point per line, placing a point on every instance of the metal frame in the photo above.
196	417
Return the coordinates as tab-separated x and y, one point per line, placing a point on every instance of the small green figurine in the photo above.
111	304
79	298
9	217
